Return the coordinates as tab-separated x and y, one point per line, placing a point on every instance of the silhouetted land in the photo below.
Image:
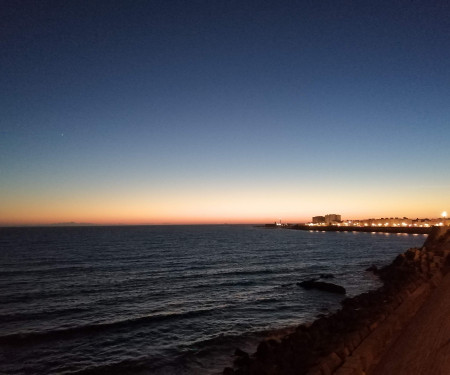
334	228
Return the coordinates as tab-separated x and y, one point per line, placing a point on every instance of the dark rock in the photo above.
373	268
263	350
243	361
439	238
228	371
320	285
240	353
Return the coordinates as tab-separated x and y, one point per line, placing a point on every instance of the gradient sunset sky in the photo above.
150	112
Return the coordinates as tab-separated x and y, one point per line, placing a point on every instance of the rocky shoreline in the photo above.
351	340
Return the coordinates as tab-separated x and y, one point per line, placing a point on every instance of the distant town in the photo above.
333	219
388	222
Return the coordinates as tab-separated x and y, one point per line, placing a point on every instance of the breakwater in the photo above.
352	340
335	228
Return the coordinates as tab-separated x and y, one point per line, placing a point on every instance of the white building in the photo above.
332	219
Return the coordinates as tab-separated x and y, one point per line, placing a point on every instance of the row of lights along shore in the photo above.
383	222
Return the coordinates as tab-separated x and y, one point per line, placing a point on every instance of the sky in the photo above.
172	112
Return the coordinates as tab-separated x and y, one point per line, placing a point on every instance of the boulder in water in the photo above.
320	285
373	268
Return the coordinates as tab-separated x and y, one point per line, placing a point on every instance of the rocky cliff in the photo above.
352	339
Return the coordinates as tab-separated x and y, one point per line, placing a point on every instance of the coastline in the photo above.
354	339
334	228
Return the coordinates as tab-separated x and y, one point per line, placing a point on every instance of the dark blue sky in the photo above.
214	109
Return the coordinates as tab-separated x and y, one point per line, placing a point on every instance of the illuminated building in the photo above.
332	219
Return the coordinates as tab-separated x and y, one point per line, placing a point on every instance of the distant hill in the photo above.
71	224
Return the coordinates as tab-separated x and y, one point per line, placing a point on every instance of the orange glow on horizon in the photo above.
226	204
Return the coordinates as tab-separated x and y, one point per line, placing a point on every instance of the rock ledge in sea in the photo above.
320	285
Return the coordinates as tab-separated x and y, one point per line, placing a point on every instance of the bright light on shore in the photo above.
444	214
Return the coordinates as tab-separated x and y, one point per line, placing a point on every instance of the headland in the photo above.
401	328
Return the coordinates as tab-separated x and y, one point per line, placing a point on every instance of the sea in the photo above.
168	299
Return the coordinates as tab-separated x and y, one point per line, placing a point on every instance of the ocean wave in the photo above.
241	337
70	332
35	315
123	367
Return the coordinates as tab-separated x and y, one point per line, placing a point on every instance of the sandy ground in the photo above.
423	347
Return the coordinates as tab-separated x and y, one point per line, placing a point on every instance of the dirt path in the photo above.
423	347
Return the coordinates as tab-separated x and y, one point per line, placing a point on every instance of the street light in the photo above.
444	216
